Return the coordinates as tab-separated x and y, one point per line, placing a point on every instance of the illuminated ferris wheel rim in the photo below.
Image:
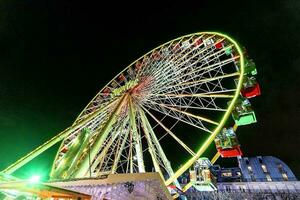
225	115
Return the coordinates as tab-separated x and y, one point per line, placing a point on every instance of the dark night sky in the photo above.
55	55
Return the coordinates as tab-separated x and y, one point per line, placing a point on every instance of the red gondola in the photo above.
227	143
219	45
156	55
176	47
232	152
138	65
106	92
250	88
121	77
198	42
251	91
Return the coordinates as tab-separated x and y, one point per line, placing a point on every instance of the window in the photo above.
250	169
227	188
268	177
264	168
226	174
280	168
285	177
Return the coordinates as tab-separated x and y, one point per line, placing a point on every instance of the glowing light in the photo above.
34	179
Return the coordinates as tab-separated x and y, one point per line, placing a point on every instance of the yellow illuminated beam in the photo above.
190	114
187	186
215	158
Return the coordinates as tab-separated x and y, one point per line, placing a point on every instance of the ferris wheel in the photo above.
192	81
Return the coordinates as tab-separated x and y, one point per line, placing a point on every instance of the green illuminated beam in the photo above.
211	138
22	161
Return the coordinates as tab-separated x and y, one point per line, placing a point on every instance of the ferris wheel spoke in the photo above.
178	116
116	132
171	65
151	149
156	145
120	150
101	136
163	86
174	101
190	114
205	80
205	55
130	159
204	87
99	101
106	145
171	133
204	102
204	68
136	136
184	119
194	106
179	61
105	109
209	95
99	160
178	51
107	161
